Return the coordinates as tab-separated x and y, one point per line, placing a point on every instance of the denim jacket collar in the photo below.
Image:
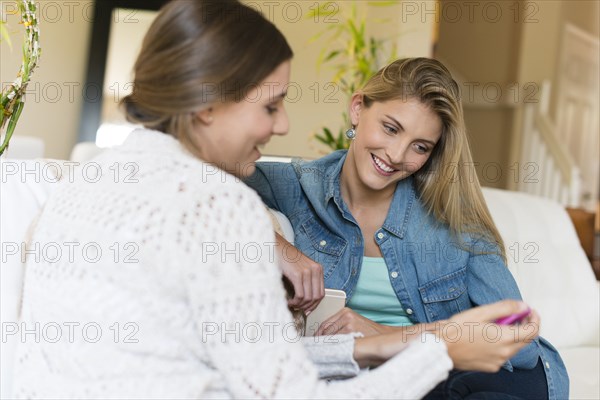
332	180
396	221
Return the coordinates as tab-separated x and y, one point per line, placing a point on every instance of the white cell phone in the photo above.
333	302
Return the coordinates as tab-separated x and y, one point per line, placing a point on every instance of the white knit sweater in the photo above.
152	275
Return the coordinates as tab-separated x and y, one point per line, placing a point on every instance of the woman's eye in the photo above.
389	129
271	109
421	149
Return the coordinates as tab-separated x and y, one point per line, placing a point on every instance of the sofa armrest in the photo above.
282	225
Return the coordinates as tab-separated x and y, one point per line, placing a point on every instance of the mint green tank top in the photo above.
374	297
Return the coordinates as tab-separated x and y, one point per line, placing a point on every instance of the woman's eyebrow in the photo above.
402	128
280	96
428	141
395	121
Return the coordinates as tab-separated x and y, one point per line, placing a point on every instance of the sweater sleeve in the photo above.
246	332
333	355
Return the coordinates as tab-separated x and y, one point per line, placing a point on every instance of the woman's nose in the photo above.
400	158
282	123
397	154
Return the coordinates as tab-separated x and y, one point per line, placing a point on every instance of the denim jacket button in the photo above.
547	365
409	311
394	274
323	243
380	235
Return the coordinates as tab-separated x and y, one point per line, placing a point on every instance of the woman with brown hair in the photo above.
180	295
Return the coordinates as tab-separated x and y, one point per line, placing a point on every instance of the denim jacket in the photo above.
433	276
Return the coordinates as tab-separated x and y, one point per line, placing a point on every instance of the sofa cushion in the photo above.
583	364
551	269
24	188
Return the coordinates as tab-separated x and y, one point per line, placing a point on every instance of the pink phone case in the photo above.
513	318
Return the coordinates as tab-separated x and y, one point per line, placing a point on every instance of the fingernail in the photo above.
307	313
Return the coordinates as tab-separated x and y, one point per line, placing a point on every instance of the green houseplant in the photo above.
11	100
352	55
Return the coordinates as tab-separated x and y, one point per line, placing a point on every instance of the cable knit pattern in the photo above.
169	289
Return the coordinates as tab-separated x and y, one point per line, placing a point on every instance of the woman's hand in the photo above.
475	342
347	321
305	276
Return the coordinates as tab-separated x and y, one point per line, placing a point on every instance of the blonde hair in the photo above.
198	53
447	184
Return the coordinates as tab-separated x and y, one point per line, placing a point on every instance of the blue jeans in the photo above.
519	384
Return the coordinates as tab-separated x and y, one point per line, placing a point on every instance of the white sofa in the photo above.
544	255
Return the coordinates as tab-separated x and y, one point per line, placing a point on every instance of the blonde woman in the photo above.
399	223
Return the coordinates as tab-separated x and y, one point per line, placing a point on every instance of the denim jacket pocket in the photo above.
321	245
446	295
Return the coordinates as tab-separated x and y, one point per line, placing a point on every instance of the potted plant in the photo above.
353	56
11	100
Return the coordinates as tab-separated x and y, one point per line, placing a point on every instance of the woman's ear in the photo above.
356	105
205	116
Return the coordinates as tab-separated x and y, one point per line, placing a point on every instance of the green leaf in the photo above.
323	10
317	36
328	134
331	55
341	140
12	123
322	140
4	35
352	56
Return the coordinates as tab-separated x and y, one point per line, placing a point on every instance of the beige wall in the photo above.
517	52
54	97
480	50
53	115
537	62
585	14
311	103
479	44
540	49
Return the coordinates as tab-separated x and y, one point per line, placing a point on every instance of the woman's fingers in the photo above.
305	275
487	346
317	286
346	320
331	325
529	329
492	312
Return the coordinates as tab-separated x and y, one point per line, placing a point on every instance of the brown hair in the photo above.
447	183
198	53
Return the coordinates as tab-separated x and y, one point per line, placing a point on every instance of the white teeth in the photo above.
381	165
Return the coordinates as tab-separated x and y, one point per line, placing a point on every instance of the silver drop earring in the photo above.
351	133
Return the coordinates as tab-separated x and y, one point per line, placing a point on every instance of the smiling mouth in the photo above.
382	167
